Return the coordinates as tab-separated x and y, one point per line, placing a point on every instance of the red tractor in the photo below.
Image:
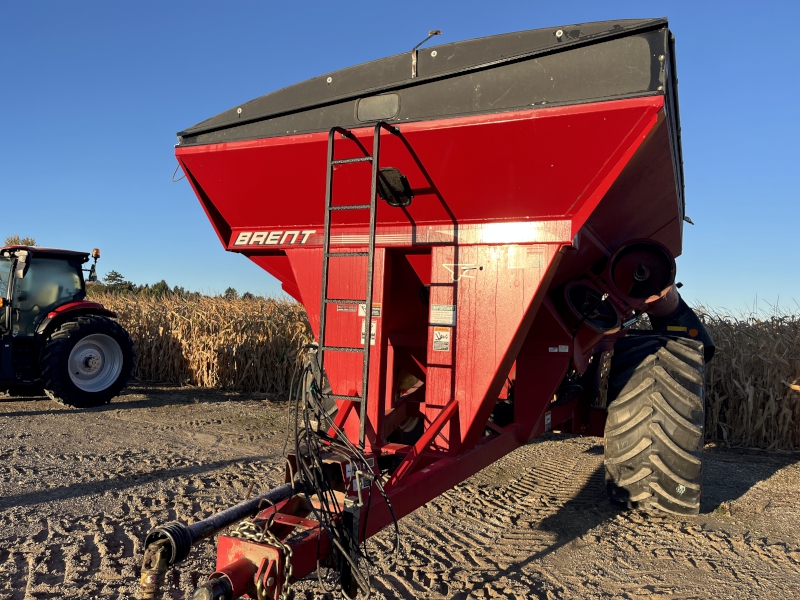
51	338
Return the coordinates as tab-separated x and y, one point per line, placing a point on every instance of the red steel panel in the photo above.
526	165
496	198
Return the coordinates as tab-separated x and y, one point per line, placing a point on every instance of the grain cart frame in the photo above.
51	337
469	236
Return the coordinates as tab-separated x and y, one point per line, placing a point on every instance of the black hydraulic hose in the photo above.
182	537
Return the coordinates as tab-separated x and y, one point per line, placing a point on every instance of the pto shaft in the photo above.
170	544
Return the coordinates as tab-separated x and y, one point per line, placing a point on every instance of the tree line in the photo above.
115	282
15	240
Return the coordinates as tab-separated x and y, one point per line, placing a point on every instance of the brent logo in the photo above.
273	238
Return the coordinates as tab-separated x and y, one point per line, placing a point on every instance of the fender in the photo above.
683	321
71	309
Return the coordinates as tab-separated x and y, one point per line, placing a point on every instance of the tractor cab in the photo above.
36	281
50	336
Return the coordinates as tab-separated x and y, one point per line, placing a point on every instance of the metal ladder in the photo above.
327	255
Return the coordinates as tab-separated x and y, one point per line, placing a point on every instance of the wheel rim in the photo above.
95	362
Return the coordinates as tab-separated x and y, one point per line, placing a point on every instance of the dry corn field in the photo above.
254	345
754	380
249	345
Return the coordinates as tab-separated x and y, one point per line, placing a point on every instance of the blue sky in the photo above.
92	93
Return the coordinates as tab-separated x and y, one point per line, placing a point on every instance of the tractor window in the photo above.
48	283
5	271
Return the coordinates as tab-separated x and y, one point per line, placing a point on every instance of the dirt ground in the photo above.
79	490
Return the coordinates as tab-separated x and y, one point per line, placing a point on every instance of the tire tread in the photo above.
655	424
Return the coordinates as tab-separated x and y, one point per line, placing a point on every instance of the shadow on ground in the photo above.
728	474
137	395
114	484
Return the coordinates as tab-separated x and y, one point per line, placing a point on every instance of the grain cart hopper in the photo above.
470	227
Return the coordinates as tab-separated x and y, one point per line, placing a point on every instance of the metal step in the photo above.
350	398
351	207
342	349
349	161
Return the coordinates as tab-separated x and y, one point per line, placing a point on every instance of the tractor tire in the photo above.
655	424
87	361
25	391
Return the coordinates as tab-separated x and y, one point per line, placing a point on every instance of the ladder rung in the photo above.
329	254
343	301
351	398
341	349
347	161
351	207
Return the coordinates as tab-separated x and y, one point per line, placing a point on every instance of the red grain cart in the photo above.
471	227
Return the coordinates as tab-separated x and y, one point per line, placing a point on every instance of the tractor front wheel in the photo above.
87	361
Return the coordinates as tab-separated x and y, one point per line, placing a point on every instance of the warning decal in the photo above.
441	339
364	331
376	309
443	314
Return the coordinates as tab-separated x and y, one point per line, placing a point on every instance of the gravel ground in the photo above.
79	490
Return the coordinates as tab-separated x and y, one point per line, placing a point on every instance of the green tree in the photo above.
231	294
116	282
15	240
113	278
160	288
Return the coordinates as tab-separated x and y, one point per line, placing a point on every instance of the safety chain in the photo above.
249	530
